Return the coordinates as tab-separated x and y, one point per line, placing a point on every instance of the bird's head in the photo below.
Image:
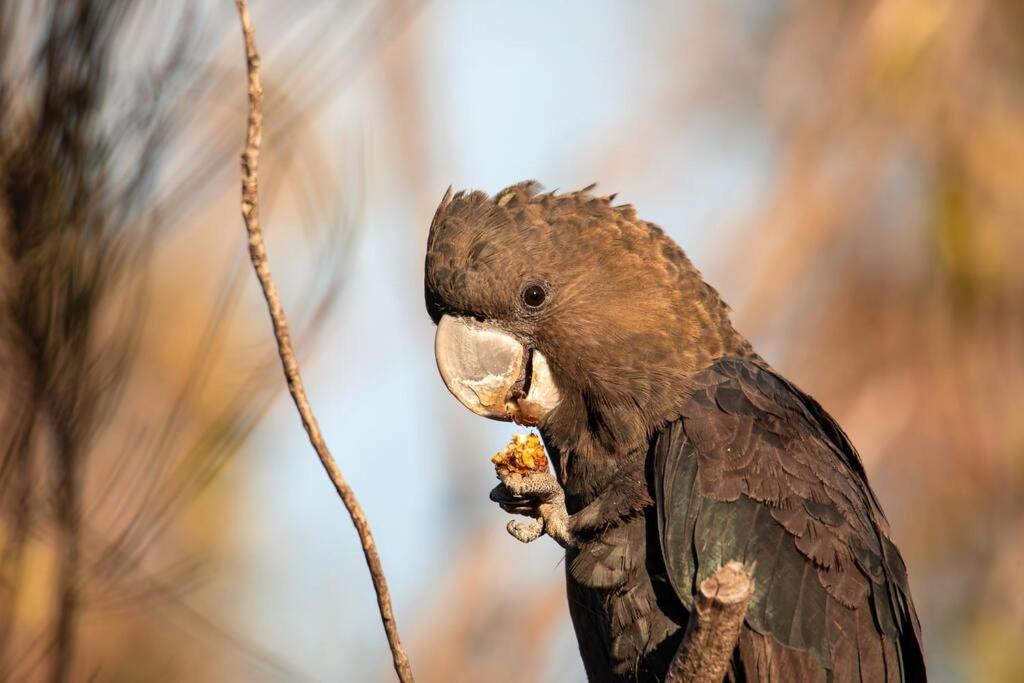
567	312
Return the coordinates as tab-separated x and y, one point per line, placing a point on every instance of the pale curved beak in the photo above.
485	368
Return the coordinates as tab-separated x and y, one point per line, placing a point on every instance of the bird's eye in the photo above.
534	295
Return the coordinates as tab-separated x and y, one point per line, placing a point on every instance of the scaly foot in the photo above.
537	495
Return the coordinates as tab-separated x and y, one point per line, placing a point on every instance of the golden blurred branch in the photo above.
714	627
258	256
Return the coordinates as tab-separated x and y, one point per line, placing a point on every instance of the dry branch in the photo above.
714	627
258	256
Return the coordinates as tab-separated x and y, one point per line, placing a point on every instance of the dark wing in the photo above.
755	470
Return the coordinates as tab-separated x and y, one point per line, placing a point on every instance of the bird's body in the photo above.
677	447
753	471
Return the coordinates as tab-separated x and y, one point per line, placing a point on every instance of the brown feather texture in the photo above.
678	447
629	314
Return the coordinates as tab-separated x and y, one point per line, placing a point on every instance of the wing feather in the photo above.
754	470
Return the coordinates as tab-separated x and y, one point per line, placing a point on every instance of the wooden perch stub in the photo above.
714	628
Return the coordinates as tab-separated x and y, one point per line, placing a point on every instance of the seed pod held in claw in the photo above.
523	455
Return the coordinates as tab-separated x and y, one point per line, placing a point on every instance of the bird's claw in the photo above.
536	495
525	532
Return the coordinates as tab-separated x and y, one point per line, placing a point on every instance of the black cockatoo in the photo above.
675	447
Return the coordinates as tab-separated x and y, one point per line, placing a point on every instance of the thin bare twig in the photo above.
714	627
258	256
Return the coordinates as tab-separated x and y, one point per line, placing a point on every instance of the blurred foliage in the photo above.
123	396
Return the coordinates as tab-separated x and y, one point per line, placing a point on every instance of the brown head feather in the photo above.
627	319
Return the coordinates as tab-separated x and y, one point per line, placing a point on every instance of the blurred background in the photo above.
849	175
